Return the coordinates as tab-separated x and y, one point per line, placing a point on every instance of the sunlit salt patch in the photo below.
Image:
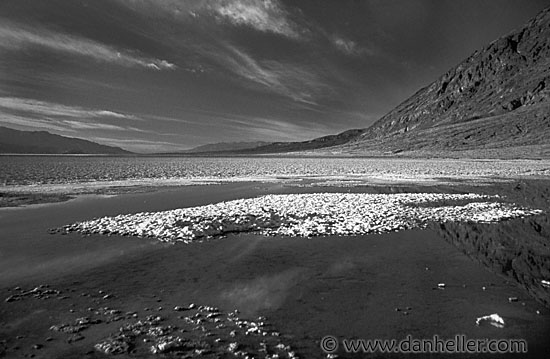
307	215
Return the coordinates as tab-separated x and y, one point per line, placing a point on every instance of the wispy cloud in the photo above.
33	123
80	125
348	46
262	15
286	79
267	16
139	145
34	114
14	36
53	109
271	129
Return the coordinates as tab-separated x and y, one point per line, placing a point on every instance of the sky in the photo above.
166	75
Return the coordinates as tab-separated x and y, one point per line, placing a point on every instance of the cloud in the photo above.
53	109
264	292
286	79
60	125
33	123
56	117
270	129
139	145
262	15
15	37
79	125
346	46
267	16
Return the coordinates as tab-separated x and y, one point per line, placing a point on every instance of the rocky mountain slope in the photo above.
499	97
42	142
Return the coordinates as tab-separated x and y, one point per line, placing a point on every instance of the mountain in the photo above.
498	98
42	142
225	147
259	147
494	103
317	143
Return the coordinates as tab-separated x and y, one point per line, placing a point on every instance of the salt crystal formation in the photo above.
307	215
205	332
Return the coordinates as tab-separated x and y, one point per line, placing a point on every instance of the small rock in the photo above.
493	319
513	299
37	346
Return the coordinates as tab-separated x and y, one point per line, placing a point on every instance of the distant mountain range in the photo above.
259	147
225	147
42	142
496	102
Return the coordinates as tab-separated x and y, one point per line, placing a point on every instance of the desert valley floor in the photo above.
76	294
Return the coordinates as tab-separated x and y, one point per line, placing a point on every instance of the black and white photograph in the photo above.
274	179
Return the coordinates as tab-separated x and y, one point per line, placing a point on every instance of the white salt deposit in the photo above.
494	319
307	215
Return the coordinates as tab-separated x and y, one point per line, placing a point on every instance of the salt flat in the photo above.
93	175
306	215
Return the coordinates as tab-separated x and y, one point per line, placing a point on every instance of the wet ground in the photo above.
375	286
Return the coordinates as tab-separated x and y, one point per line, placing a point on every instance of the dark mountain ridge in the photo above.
497	97
496	100
42	142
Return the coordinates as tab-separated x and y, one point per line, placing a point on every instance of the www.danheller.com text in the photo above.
458	344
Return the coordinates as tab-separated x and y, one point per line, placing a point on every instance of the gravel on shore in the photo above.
307	215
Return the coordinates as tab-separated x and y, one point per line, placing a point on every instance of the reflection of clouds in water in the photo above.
240	249
16	268
265	292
